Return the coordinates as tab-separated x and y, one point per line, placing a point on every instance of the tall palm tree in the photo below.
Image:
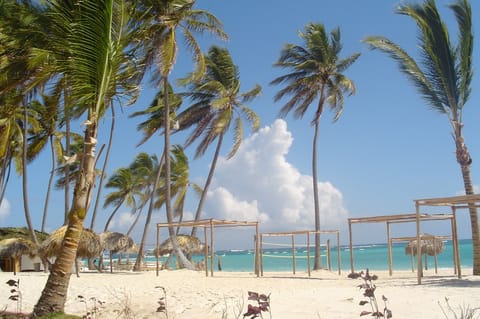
316	73
218	106
126	191
443	78
164	19
97	37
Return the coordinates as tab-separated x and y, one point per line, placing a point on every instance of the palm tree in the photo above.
97	37
316	73
162	21
218	106
443	77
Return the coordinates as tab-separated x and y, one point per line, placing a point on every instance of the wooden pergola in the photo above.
455	203
307	233
211	224
406	218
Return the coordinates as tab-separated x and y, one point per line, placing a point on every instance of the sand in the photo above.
192	295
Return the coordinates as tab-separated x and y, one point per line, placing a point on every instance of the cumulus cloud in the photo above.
4	209
258	183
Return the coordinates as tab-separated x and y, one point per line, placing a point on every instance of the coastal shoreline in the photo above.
192	295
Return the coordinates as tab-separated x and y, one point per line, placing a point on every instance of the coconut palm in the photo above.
97	36
218	106
443	78
316	73
162	20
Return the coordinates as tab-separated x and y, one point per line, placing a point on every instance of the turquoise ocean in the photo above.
371	256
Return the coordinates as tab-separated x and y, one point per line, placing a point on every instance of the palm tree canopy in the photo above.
218	105
445	74
316	73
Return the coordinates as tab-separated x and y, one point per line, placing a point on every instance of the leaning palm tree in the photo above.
162	21
316	74
97	36
218	106
443	78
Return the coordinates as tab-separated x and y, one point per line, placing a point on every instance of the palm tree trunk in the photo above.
109	220
139	260
207	183
182	260
464	159
49	187
67	152
318	260
54	294
24	178
104	169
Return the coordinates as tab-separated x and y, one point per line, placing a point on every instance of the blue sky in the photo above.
387	149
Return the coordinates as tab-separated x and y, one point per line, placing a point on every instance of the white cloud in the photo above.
259	184
4	209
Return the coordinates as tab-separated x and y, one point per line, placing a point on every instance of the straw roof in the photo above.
16	247
116	242
188	244
431	246
88	247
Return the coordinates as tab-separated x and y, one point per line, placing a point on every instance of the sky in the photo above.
386	150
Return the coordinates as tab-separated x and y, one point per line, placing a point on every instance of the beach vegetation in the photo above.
464	312
93	307
262	304
442	74
368	286
162	23
162	301
315	73
217	107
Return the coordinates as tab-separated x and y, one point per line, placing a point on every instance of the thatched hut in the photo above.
429	246
115	242
188	244
12	250
88	247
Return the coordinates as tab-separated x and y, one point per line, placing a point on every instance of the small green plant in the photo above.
263	305
466	312
369	288
92	307
162	301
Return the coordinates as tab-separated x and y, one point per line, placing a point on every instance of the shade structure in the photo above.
88	247
429	246
116	242
188	244
16	247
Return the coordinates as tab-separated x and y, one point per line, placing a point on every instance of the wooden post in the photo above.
339	258
435	255
261	254
157	254
419	255
293	254
258	263
390	255
351	245
329	256
212	250
308	253
455	243
205	250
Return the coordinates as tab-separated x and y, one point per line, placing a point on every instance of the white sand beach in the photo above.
192	295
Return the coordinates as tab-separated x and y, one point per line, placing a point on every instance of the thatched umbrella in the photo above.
115	242
429	245
88	247
16	247
188	244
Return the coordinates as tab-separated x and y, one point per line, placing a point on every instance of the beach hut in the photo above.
429	246
188	244
12	250
88	247
115	243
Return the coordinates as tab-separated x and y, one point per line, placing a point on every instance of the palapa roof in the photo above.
16	247
116	242
187	243
88	247
429	245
